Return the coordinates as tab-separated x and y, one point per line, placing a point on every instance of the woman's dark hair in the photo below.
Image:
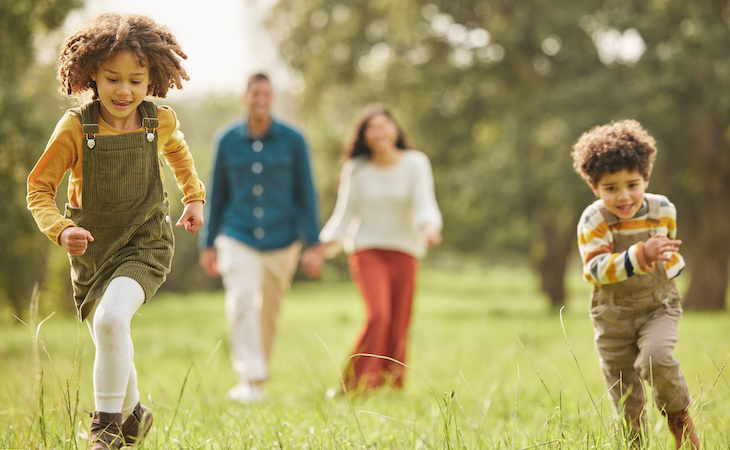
357	146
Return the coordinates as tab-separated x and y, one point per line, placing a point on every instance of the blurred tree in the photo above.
495	92
23	132
682	89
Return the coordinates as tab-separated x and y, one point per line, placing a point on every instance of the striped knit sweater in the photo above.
602	265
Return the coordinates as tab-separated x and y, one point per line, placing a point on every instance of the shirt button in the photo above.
258	233
258	190
257	167
257	146
258	212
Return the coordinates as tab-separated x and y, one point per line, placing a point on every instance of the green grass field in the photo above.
492	367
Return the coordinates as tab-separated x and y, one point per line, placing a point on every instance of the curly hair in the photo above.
612	148
358	146
103	37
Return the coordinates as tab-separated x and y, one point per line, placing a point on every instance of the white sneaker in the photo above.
246	393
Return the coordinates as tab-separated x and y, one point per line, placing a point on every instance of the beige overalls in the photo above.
124	208
636	324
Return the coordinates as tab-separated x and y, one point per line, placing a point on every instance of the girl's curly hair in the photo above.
109	33
612	148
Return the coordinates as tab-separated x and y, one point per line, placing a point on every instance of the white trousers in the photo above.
255	283
115	377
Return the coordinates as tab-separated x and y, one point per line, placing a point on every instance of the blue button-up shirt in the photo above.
261	192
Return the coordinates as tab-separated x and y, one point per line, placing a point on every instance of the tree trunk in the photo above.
558	241
708	260
710	254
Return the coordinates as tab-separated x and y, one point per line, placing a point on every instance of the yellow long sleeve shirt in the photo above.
64	152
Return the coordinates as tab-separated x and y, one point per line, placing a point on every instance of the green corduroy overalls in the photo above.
125	209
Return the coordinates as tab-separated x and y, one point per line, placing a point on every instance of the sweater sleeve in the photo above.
344	212
425	207
178	156
669	221
61	154
600	264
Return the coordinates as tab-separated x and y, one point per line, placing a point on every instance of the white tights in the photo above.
115	378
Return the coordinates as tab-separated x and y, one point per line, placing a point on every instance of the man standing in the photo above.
262	209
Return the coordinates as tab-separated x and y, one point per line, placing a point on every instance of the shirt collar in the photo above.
273	129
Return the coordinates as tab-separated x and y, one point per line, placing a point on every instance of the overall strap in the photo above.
150	122
611	219
654	209
89	117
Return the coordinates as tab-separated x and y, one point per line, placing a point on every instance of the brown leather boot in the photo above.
137	425
680	424
106	431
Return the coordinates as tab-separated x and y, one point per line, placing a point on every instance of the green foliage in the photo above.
24	129
683	97
497	92
491	367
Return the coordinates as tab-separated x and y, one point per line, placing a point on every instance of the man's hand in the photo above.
75	240
209	261
659	247
192	217
312	261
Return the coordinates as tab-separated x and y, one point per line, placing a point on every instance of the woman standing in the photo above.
387	216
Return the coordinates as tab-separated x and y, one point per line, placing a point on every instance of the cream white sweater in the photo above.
384	207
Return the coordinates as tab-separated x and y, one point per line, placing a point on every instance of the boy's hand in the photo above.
192	217
658	247
75	240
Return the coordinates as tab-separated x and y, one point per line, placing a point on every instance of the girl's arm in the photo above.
61	154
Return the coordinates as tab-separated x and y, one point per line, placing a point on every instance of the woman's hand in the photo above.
432	235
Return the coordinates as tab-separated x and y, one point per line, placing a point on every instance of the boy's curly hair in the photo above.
612	148
109	33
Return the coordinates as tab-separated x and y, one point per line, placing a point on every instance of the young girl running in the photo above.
116	226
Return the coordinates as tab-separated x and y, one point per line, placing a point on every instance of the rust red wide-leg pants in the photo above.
386	279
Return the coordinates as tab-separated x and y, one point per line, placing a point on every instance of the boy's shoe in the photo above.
106	431
681	426
246	393
137	425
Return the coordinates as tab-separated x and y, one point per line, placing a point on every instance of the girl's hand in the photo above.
75	240
659	247
432	235
192	217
